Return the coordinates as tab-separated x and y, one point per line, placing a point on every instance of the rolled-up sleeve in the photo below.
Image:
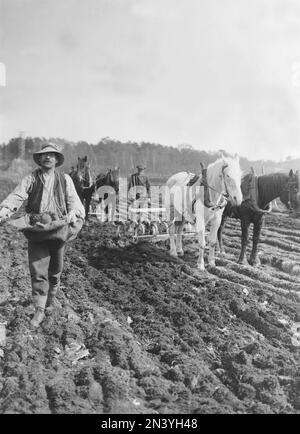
73	201
15	199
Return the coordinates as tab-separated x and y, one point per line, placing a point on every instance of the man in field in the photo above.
139	193
45	190
140	184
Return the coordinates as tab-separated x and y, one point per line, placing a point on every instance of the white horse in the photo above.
223	182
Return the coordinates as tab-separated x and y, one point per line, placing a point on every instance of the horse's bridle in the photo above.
220	203
226	195
82	178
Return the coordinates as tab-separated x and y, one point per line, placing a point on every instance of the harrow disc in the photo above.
121	230
163	227
153	229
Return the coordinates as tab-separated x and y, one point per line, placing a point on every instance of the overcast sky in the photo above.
211	73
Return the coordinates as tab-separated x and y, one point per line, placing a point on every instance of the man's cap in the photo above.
49	147
141	167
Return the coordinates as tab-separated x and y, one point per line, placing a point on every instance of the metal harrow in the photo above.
142	224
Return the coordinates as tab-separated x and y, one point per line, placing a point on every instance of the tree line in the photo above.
161	161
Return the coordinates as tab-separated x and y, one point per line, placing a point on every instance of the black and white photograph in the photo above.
149	210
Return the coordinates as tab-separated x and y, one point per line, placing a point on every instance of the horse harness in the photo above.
220	203
252	195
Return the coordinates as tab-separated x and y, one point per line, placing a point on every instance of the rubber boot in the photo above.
207	202
38	317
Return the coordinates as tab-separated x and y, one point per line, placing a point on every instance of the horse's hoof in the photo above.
173	254
201	267
180	253
212	263
243	262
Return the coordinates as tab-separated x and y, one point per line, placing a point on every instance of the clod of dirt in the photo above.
75	351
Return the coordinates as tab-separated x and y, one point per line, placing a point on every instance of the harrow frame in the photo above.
140	228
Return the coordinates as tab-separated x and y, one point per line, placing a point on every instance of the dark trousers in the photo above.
46	261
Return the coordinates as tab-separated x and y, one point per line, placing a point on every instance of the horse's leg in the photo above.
82	199
215	224
201	242
106	208
172	234
254	259
245	232
220	247
179	248
100	209
87	197
114	209
87	203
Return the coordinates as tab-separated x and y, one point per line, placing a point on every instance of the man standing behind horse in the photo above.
139	191
140	182
45	190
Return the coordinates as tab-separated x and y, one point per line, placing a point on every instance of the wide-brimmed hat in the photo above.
49	147
141	167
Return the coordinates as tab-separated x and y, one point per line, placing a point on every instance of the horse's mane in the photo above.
108	177
101	176
214	169
215	163
270	186
277	176
221	161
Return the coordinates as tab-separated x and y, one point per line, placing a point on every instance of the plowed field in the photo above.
141	332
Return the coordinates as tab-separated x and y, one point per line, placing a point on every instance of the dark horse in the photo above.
269	187
85	189
81	177
109	179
